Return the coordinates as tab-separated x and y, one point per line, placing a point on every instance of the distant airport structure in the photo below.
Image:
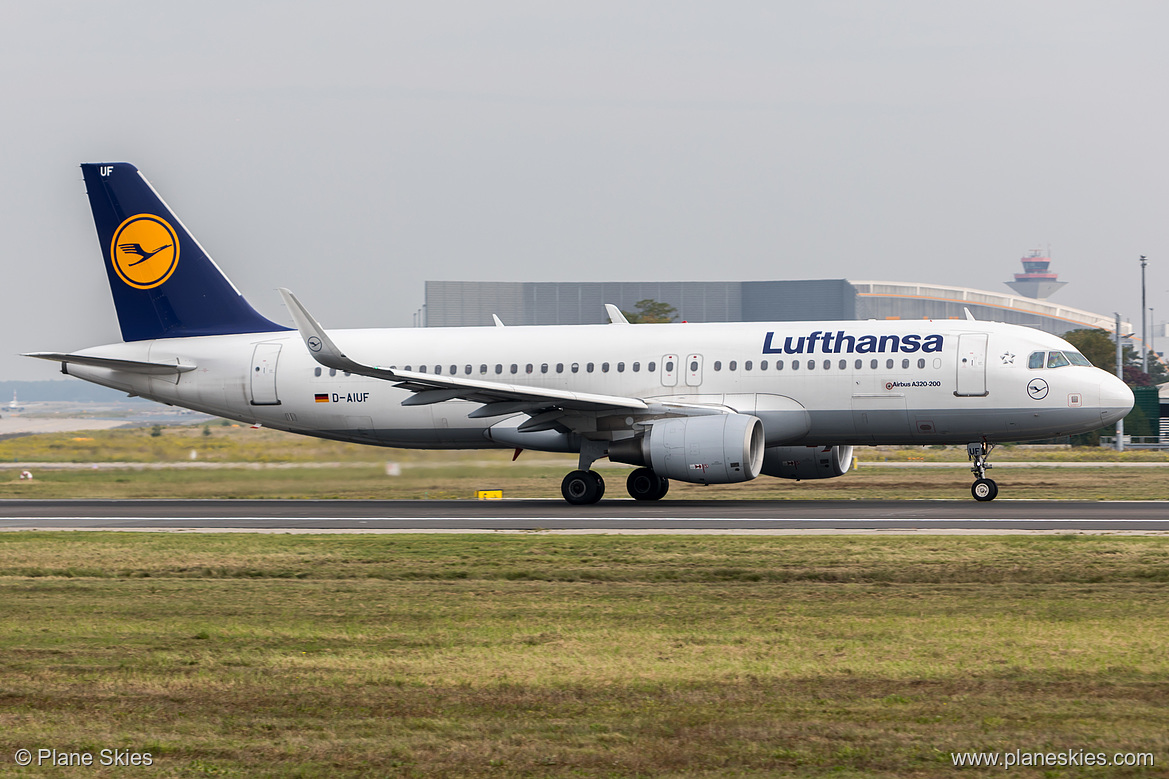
471	303
1036	281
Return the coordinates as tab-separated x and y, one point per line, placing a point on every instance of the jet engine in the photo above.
715	449
807	462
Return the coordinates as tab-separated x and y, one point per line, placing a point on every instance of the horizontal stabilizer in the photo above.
127	366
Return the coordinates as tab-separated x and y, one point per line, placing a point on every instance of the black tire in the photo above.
984	490
644	484
582	488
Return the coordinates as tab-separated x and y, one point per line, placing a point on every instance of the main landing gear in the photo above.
644	484
983	488
584	486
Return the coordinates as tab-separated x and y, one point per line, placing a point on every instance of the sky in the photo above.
351	151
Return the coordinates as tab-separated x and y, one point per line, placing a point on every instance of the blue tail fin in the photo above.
164	284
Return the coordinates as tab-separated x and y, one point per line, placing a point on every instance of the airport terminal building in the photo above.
472	303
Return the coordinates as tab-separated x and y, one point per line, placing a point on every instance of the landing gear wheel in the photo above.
582	488
984	489
644	484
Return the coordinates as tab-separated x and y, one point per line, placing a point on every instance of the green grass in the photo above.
397	655
461	478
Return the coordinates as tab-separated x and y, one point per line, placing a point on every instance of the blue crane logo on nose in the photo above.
1037	389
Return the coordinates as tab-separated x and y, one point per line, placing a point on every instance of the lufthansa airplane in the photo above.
702	403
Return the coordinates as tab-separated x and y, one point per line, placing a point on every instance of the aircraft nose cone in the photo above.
1116	399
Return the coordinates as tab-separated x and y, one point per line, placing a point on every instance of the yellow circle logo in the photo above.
145	251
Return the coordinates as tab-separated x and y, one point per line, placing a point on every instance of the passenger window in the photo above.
795	365
621	367
483	368
317	371
333	371
763	365
347	373
1035	361
589	368
888	364
560	367
921	363
604	367
498	368
694	366
576	367
528	368
873	364
859	364
637	367
515	368
670	366
843	364
438	370
718	366
827	364
779	365
1057	360
467	369
422	369
734	365
905	363
454	369
544	368
811	365
747	365
653	366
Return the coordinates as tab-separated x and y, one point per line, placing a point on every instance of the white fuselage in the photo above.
869	382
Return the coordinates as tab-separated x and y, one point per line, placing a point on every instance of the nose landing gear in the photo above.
983	489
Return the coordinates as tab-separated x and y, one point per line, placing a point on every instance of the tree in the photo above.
1096	345
650	311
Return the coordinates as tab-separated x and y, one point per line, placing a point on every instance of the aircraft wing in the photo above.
498	398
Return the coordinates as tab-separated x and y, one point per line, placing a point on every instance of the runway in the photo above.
615	516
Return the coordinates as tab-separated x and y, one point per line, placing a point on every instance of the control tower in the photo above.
1035	281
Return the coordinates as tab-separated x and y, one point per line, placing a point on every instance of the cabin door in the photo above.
971	380
264	375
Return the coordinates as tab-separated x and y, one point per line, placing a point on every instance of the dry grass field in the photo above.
238	462
553	656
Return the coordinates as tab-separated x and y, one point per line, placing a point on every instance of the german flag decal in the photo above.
321	398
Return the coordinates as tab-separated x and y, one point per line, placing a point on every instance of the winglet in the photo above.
615	315
969	316
319	344
497	320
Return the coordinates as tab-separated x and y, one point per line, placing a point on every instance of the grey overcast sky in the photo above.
351	151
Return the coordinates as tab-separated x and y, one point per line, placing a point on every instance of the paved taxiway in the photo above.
607	516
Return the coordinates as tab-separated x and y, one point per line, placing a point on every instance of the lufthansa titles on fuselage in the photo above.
844	343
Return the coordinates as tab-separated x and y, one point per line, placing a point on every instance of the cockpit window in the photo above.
1035	360
1056	360
1077	358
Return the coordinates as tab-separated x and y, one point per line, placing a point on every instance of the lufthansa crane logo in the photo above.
1037	389
145	251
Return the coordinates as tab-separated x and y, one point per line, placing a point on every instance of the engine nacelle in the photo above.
715	449
807	462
